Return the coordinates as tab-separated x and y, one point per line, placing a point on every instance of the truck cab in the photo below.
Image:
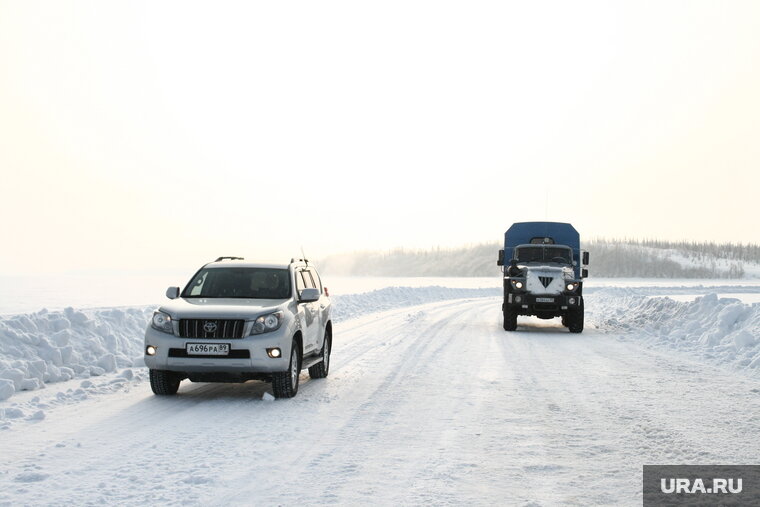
544	269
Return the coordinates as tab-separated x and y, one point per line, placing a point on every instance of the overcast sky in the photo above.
140	135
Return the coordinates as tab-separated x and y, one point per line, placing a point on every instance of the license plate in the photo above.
208	349
544	300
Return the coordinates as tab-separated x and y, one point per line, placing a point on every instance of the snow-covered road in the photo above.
431	404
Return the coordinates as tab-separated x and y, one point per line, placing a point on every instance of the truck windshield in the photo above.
249	283
535	253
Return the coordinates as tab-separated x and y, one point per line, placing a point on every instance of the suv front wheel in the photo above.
164	382
285	383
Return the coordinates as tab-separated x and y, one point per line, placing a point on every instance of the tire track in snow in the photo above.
391	356
434	404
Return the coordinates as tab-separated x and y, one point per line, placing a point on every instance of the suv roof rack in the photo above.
229	258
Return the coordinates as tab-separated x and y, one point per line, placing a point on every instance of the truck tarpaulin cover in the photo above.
522	233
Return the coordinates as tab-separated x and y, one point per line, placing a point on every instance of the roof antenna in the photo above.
304	256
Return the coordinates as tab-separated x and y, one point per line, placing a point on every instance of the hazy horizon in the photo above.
159	135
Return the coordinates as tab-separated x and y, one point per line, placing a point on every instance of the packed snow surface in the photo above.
428	401
53	346
46	347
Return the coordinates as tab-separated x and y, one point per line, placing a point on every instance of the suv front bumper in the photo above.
247	355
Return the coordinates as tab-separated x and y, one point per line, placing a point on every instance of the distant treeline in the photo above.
609	258
749	252
662	259
474	260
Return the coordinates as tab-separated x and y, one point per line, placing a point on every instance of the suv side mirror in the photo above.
172	292
584	273
585	258
500	261
309	296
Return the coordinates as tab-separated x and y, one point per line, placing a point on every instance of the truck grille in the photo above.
211	328
545	280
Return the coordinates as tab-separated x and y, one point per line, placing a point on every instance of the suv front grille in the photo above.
211	328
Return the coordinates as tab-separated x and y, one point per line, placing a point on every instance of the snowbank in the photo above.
46	347
722	331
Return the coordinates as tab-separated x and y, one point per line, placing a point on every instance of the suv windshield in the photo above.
543	253
249	283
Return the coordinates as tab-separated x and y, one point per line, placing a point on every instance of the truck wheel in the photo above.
285	383
510	319
320	370
164	382
575	320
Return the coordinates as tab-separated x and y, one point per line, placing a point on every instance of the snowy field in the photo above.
428	401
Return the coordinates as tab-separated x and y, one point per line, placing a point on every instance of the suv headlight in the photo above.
162	322
267	323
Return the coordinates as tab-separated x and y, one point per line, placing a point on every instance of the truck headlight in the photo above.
518	284
162	322
571	286
267	323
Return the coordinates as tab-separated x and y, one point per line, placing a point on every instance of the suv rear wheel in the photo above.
285	383
321	369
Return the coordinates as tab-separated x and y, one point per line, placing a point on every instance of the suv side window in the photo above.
299	282
304	280
317	281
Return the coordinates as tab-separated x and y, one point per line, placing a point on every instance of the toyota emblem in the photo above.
209	327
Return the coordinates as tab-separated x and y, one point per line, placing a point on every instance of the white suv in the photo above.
237	321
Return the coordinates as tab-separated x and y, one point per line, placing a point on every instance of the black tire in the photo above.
575	320
564	320
285	383
321	369
164	383
510	319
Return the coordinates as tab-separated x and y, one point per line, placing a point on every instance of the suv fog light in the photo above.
150	350
274	353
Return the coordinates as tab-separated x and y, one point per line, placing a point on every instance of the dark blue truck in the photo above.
544	268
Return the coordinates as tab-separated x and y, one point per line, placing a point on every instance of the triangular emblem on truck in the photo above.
545	280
